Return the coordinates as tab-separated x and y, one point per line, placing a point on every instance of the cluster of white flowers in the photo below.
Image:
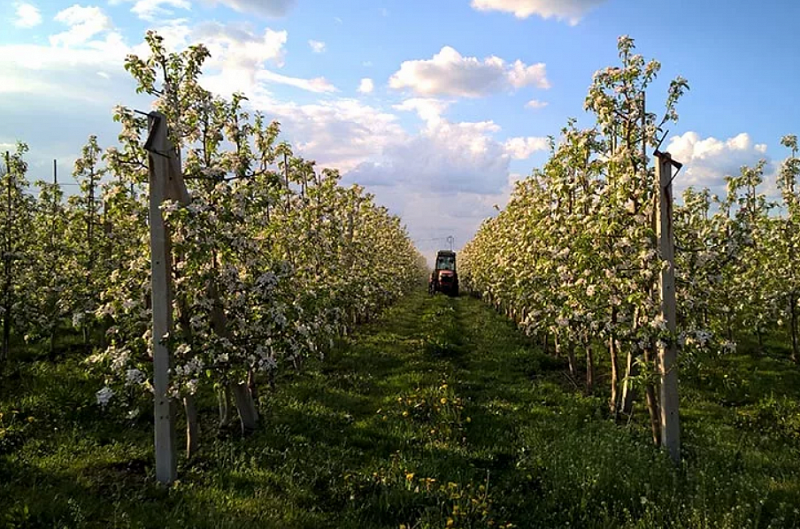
659	323
134	376
104	396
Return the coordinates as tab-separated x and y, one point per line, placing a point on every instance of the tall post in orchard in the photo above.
166	182
6	254
667	351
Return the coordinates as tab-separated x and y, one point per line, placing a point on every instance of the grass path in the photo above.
439	414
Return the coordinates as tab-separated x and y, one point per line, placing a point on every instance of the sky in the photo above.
435	106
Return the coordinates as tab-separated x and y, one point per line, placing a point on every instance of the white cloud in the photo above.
176	34
238	55
523	75
318	84
449	73
152	10
262	8
431	218
84	23
366	86
28	15
342	133
371	148
708	160
444	157
570	10
71	85
462	161
65	70
236	46
445	178
317	46
523	148
427	109
57	72
535	104
80	63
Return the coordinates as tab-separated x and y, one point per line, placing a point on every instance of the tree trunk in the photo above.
589	369
794	328
245	405
652	405
192	426
628	391
6	334
570	355
52	352
760	336
252	385
288	189
224	402
7	269
730	327
614	401
573	365
248	415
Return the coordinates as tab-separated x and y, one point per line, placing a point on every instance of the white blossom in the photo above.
104	396
134	376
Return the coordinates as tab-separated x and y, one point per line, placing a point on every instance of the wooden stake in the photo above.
89	255
7	269
165	182
667	351
53	279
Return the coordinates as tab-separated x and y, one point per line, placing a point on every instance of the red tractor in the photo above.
444	277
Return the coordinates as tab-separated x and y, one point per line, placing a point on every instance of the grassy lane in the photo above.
440	414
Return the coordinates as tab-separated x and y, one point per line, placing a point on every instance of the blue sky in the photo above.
436	106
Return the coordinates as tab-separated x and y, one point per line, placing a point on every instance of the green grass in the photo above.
438	413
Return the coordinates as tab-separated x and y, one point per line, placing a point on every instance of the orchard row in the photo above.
270	260
574	257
